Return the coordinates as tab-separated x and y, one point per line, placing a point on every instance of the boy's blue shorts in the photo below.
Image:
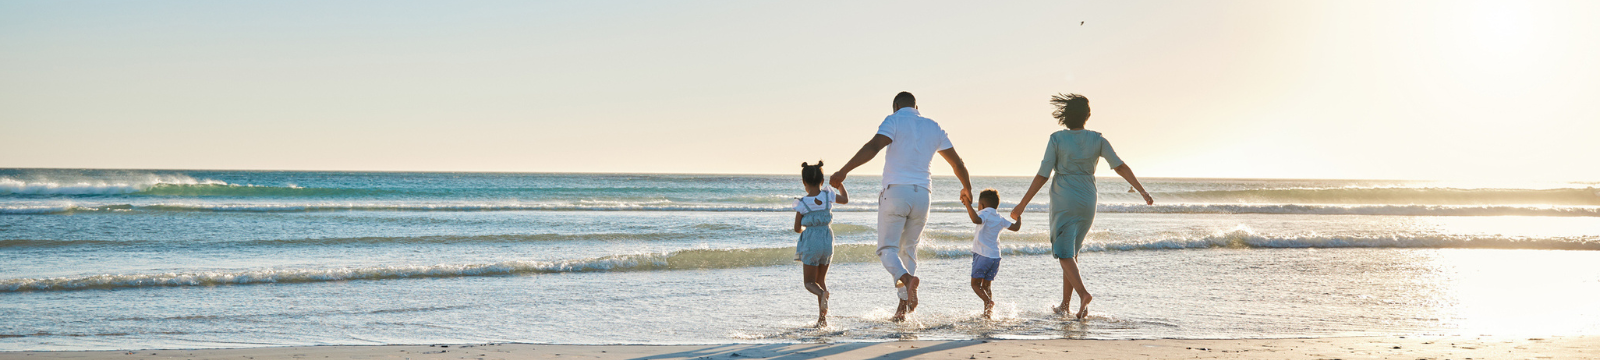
984	267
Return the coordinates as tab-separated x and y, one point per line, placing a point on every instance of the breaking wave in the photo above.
97	186
1392	196
159	185
739	258
1402	210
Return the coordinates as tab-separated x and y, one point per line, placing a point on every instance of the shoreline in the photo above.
1375	347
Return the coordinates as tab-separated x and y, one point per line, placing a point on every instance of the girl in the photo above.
815	249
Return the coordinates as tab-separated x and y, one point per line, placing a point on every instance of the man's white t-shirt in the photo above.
987	241
916	139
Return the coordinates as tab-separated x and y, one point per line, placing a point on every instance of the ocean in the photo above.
142	259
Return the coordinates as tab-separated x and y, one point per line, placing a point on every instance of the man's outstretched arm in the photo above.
960	169
867	152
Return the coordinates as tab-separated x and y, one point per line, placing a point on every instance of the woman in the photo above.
1073	155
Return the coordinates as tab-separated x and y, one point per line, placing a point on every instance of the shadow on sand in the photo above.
802	351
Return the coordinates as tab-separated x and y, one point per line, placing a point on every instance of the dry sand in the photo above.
1450	347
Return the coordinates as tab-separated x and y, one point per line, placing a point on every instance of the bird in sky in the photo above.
1080	23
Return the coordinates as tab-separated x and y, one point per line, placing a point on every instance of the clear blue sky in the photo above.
1497	90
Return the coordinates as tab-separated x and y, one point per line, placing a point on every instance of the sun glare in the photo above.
1493	292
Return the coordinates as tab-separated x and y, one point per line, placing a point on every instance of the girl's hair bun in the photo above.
812	174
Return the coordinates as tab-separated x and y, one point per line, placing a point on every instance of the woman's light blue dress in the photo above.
816	242
1073	155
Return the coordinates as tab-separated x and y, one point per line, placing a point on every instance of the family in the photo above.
911	140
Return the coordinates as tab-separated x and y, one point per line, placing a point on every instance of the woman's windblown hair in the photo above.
811	174
1072	110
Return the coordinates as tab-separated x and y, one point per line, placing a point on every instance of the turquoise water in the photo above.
127	259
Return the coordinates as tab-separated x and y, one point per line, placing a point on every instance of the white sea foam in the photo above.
1402	210
214	278
692	259
1571	195
123	184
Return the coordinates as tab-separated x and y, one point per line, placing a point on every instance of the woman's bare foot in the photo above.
822	322
1060	310
1083	308
988	310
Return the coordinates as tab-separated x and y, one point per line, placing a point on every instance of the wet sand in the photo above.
1435	347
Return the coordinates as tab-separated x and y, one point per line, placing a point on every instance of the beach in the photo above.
616	180
1580	347
122	260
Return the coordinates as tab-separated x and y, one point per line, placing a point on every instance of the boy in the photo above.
986	245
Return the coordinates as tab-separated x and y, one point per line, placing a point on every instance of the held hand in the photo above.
966	201
966	195
1147	199
1016	213
837	180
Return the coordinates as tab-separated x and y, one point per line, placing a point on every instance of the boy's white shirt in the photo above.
806	204
987	240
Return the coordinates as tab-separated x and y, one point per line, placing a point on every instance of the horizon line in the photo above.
678	173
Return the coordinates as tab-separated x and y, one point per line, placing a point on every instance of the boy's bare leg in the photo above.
980	287
1069	273
988	308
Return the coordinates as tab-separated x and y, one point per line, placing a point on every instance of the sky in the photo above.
1439	90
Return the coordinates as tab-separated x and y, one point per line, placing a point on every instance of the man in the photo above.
903	203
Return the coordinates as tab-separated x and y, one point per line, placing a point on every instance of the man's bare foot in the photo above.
1083	308
900	312
822	322
988	310
911	291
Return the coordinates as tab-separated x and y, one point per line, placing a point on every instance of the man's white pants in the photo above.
902	211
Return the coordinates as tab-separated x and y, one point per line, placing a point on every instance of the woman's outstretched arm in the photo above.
1127	174
1038	182
1046	165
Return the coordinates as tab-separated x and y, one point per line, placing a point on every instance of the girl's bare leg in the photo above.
812	276
1069	274
822	283
822	280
